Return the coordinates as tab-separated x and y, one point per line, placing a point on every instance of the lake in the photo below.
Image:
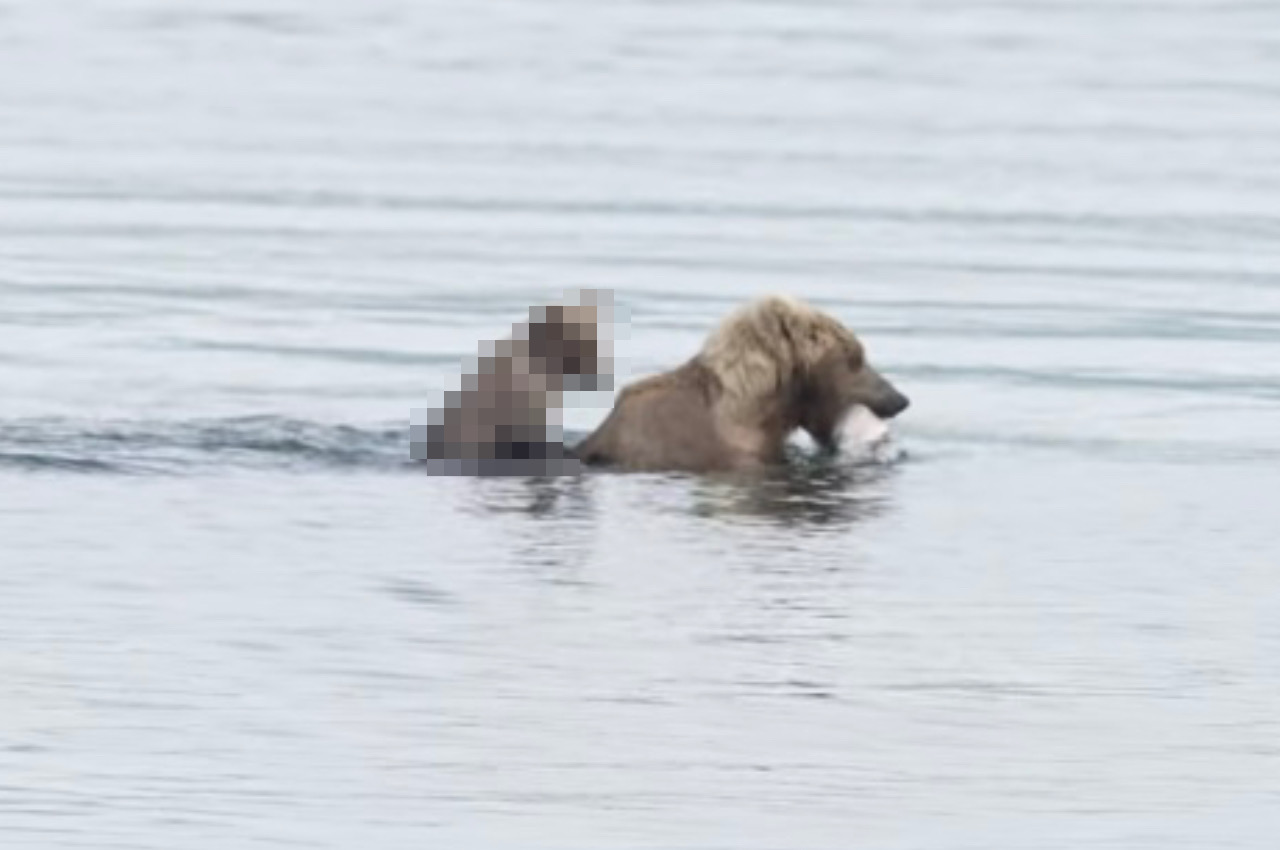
241	241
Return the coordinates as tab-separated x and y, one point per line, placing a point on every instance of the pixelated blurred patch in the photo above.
505	420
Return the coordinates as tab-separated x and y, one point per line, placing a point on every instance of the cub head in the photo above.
565	340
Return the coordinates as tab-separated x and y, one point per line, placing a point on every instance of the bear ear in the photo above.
857	355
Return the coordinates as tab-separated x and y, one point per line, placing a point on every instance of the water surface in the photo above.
240	241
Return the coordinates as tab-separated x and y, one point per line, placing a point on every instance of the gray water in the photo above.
239	241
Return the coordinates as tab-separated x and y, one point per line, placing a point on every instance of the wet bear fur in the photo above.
773	366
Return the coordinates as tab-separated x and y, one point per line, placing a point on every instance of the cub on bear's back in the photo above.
773	366
505	419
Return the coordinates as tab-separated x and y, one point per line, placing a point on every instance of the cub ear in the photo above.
545	331
856	356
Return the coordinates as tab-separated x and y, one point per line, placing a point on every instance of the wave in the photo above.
279	443
174	447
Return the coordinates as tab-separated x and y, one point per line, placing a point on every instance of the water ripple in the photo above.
159	447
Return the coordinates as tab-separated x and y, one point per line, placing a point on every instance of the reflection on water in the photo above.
812	491
546	523
538	497
809	494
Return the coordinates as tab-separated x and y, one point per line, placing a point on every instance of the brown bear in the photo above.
504	421
774	366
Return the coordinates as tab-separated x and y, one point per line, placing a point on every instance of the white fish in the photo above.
864	436
861	427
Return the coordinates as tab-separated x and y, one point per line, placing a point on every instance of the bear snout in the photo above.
893	404
886	402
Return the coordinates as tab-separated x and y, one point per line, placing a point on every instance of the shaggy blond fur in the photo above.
768	344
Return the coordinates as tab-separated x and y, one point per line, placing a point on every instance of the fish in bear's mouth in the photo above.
861	427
